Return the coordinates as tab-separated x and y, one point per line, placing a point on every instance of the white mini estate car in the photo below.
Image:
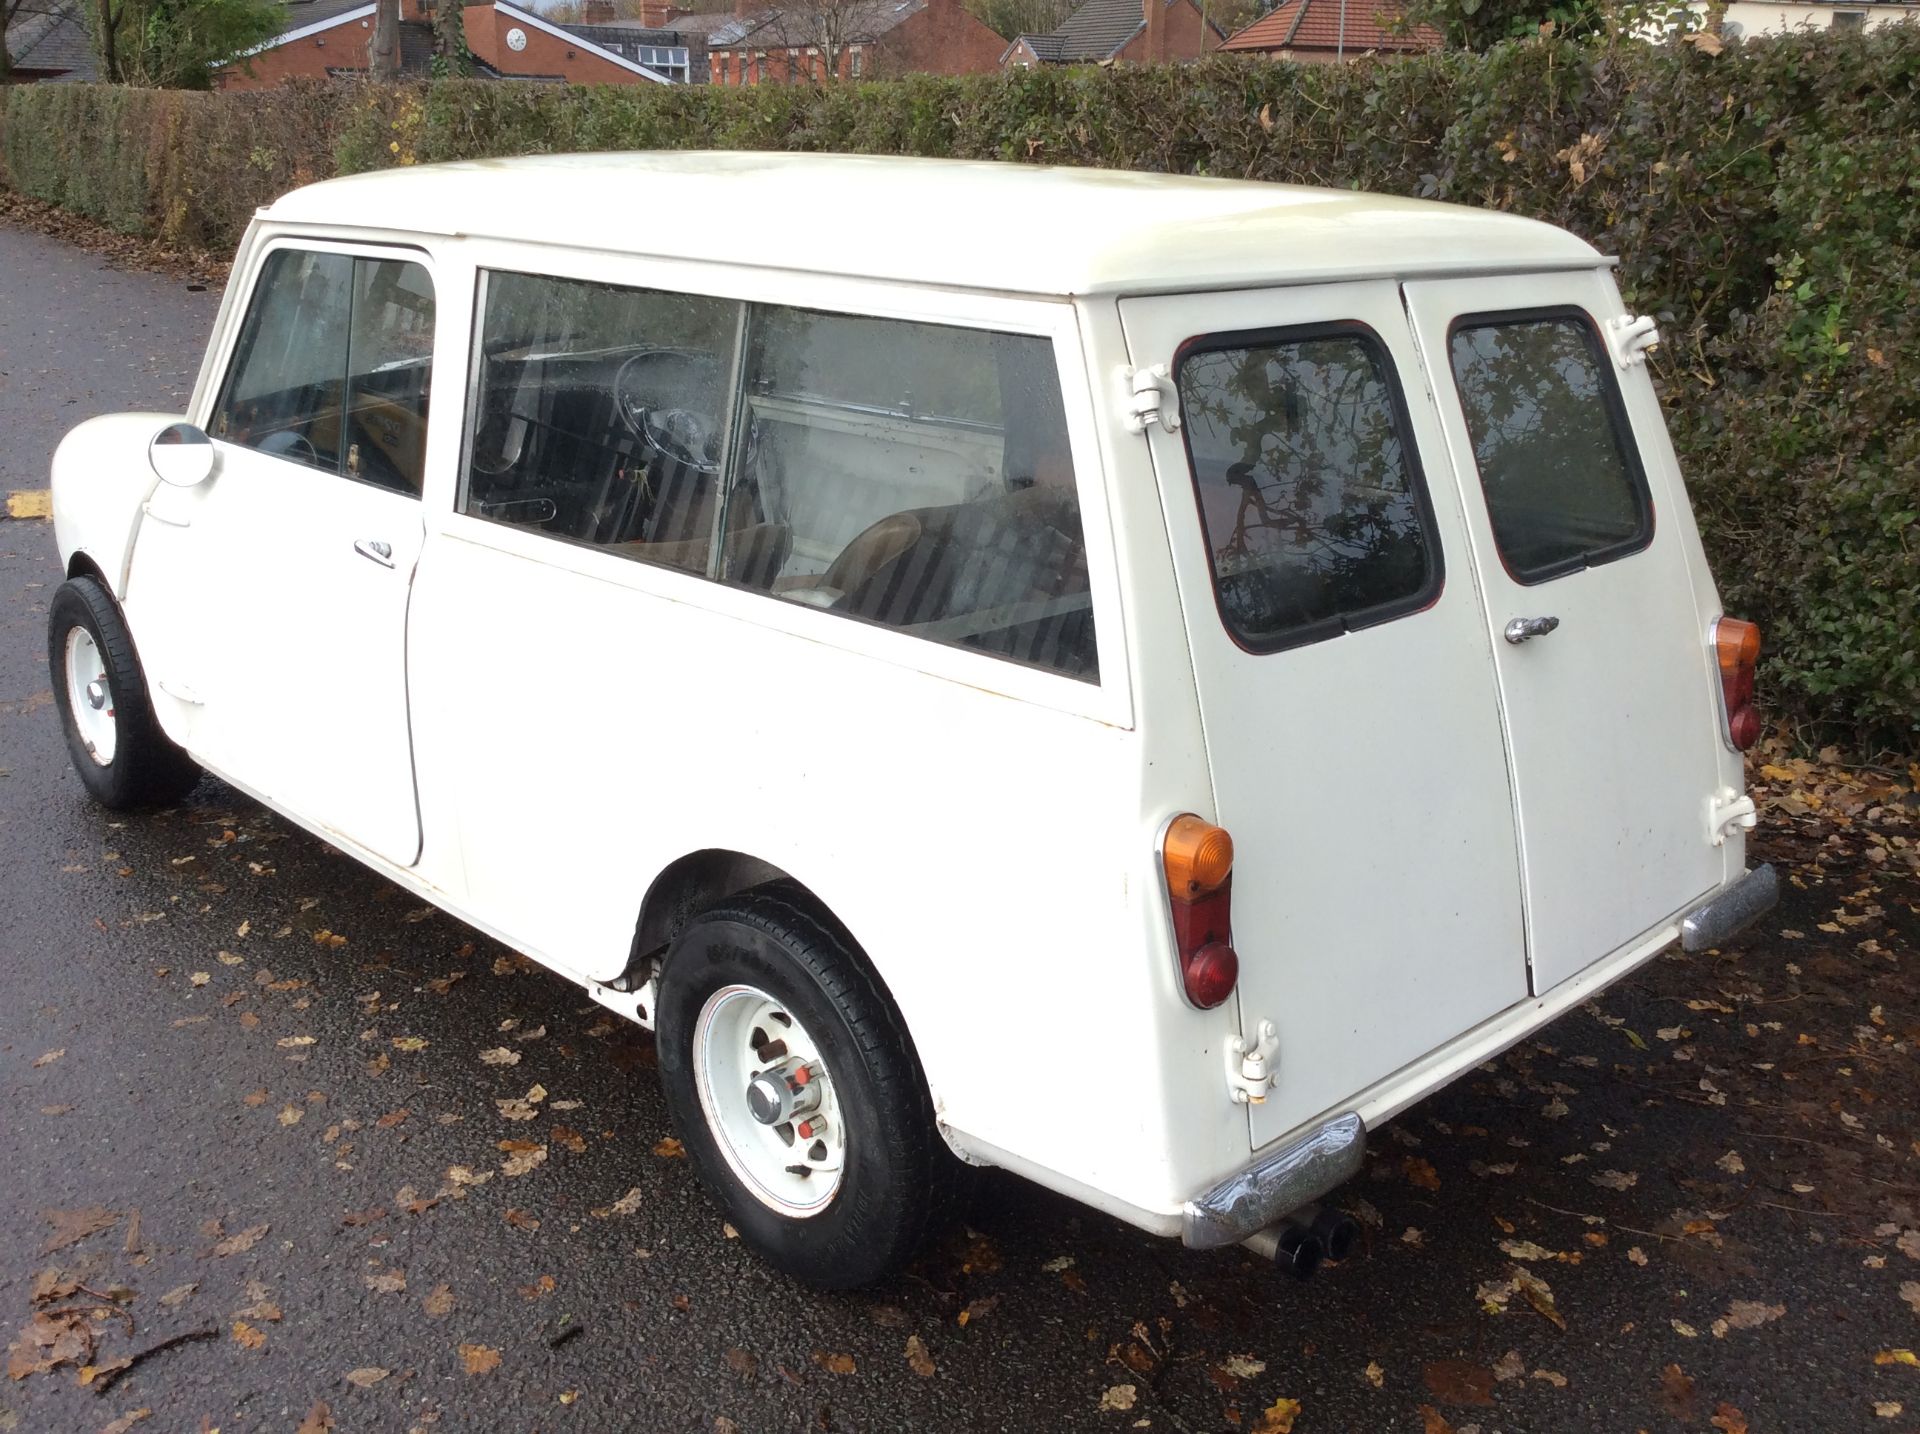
1132	680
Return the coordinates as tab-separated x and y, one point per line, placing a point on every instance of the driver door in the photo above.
278	589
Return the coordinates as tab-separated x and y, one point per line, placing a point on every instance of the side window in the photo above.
912	475
1315	514
333	367
600	414
1557	462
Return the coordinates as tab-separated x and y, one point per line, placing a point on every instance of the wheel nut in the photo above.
814	1127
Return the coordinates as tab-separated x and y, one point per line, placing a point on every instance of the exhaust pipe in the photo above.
1290	1245
1300	1242
1338	1231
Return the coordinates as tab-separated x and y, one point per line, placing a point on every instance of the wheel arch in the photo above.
82	565
692	883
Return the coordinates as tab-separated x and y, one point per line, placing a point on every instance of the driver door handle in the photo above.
1522	628
375	551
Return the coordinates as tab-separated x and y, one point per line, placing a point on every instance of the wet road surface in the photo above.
252	1093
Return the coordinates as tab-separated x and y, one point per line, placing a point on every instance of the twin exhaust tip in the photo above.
1304	1240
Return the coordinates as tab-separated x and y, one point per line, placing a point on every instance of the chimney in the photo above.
742	9
1156	16
597	12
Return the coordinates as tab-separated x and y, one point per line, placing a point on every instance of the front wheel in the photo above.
796	1091
121	754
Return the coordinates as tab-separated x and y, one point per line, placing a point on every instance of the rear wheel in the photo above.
121	754
796	1092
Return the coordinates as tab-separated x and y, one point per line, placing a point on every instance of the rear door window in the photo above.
1315	512
1562	477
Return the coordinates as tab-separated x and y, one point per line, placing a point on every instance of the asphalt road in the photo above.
236	1071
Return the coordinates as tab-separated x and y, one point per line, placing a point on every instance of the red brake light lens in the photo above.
1736	647
1198	860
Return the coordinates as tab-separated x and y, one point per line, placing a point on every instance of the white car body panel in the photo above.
985	830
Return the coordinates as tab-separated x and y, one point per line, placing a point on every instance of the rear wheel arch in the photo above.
82	565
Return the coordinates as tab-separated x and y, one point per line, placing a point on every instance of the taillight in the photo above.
1736	646
1198	858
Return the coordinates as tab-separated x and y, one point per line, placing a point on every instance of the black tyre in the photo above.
796	1091
122	756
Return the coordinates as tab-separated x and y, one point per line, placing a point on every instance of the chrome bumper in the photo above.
1298	1173
1730	910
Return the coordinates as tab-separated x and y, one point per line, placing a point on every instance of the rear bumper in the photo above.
1299	1172
1730	910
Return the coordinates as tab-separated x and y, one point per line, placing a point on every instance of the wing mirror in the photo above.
182	455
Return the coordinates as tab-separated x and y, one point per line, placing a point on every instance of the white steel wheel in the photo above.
769	1100
90	696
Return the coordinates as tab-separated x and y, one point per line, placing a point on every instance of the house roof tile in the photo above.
1332	25
51	36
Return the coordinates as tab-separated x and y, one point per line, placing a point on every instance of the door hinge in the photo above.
1250	1065
1631	338
1729	811
1149	398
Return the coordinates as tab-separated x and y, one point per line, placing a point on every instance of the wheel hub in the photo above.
90	696
769	1100
96	694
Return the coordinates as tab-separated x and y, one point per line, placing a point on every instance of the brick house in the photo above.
332	38
802	41
1326	31
1119	31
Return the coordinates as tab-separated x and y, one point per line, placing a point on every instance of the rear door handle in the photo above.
375	551
1522	628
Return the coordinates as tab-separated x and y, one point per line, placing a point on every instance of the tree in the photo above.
177	44
383	51
812	39
451	57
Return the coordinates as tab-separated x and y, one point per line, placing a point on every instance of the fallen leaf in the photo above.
439	1301
246	1336
918	1360
1457	1381
410	1043
521	1219
1732	1163
479	1358
1243	1366
177	1296
1421	1173
1509	1366
1676	1393
70	1227
522	1162
1616	1179
1432	1421
49	1058
386	1282
670	1148
1119	1396
833	1363
1897	1356
1375	1375
1887	1408
1728	1419
242	1242
366	1378
742	1363
290	1114
1751	1314
293	1041
1277	1417
500	1056
134	1416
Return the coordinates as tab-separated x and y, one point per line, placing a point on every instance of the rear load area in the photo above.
1449	619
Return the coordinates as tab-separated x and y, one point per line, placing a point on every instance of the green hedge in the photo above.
1762	201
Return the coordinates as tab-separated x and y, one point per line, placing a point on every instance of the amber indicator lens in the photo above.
1199	858
1737	644
1736	647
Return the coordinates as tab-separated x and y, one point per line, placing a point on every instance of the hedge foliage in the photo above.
1762	200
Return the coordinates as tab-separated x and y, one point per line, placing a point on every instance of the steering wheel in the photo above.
290	443
666	398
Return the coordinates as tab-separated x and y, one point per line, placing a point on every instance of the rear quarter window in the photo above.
1316	516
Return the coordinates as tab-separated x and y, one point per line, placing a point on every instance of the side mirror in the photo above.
182	455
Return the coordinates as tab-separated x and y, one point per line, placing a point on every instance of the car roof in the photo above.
1013	228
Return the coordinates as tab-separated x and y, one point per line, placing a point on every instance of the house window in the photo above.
859	61
1849	19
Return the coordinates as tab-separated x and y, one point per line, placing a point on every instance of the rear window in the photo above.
1556	457
1315	512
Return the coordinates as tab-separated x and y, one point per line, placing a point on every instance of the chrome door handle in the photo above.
375	550
1522	628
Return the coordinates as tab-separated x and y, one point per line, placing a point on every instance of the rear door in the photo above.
1346	680
1584	541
